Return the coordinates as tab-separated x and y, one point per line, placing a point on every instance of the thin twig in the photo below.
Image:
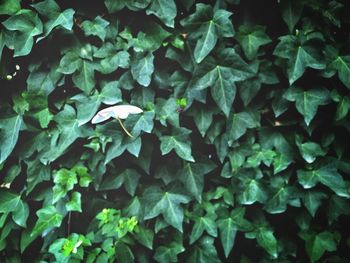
126	131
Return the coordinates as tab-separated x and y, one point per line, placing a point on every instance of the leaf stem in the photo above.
126	131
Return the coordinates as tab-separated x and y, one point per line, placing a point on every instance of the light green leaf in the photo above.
307	101
21	214
167	203
251	38
165	10
75	203
291	12
48	218
142	68
9	131
179	142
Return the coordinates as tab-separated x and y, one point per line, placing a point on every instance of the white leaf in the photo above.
119	111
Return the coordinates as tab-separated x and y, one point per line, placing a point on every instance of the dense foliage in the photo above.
241	153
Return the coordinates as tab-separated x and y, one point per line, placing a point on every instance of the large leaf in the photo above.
167	203
48	218
165	10
308	101
327	176
177	141
251	38
142	68
8	200
300	54
207	26
221	75
9	131
54	17
26	25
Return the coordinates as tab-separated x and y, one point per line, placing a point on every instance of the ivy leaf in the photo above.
342	65
54	17
142	68
317	244
9	131
291	13
192	176
68	130
97	27
240	122
228	230
343	106
48	218
337	206
221	75
202	224
75	203
327	176
307	101
310	150
21	214
26	25
114	6
204	251
169	252
8	200
300	54
267	240
179	142
167	203
207	26
165	10
251	38
10	7
313	200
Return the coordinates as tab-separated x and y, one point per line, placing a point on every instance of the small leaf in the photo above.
291	13
9	201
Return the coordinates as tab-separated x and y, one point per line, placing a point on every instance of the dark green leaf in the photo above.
142	68
165	10
291	13
9	131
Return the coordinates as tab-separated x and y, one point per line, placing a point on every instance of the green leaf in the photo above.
84	79
291	13
310	150
207	26
54	17
9	200
240	122
267	240
204	252
253	192
165	10
142	68
9	7
179	142
337	206
342	65
144	236
327	176
75	203
228	230
21	214
343	106
317	244
220	75
300	54
166	203
202	224
170	252
26	25
48	218
192	176
313	200
9	131
97	27
203	117
307	101
251	38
